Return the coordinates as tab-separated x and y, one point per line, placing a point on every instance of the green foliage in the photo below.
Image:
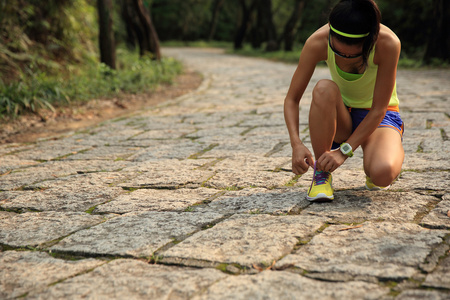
283	56
190	21
410	20
37	90
186	20
38	35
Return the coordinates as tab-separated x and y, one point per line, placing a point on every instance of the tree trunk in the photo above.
150	37
265	20
217	5
438	45
106	34
265	29
135	32
245	24
291	24
127	18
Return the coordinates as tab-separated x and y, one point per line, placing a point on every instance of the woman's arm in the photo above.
387	54
313	51
386	57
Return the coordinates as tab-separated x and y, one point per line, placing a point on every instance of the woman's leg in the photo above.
329	118
383	156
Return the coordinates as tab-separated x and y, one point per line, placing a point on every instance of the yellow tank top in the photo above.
357	91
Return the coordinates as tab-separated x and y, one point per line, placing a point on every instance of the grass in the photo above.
38	89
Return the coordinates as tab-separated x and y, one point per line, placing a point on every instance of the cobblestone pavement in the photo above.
195	199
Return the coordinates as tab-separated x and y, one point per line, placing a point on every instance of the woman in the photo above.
359	107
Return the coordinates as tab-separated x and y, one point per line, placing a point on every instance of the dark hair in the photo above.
357	17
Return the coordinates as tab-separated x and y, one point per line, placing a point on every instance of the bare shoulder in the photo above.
388	45
317	44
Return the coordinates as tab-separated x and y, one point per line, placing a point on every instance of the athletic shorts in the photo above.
392	120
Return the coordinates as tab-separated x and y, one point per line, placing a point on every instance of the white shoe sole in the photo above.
320	197
377	188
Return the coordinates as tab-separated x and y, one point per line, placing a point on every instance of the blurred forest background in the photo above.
63	51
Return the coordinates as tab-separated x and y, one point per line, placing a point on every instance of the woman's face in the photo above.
344	50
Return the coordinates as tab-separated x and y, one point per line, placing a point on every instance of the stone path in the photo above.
195	199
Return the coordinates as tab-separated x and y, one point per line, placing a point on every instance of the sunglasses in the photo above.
341	54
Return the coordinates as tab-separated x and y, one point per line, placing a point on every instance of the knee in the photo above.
325	92
383	174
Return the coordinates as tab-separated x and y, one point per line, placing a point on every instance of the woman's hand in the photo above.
301	159
331	160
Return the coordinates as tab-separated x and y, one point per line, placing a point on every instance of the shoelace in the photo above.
319	176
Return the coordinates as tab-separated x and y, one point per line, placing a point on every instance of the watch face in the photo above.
346	148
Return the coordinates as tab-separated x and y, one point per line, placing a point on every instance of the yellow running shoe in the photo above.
372	187
321	186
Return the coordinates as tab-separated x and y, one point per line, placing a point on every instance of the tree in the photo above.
291	24
245	23
106	34
438	45
264	30
139	27
216	8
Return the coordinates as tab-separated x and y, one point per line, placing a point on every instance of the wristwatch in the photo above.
346	149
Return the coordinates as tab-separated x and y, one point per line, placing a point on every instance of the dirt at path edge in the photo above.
31	127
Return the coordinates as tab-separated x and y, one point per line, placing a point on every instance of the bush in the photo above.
37	89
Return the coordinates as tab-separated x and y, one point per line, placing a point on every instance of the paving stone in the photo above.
215	119
347	178
431	162
25	272
422	294
246	239
439	277
109	133
437	181
135	234
170	149
11	162
12	148
249	178
251	145
56	169
249	171
148	119
285	285
424	141
388	251
182	130
219	133
105	153
50	150
33	229
439	217
156	200
419	120
270	202
72	193
360	206
4	215
130	279
170	173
